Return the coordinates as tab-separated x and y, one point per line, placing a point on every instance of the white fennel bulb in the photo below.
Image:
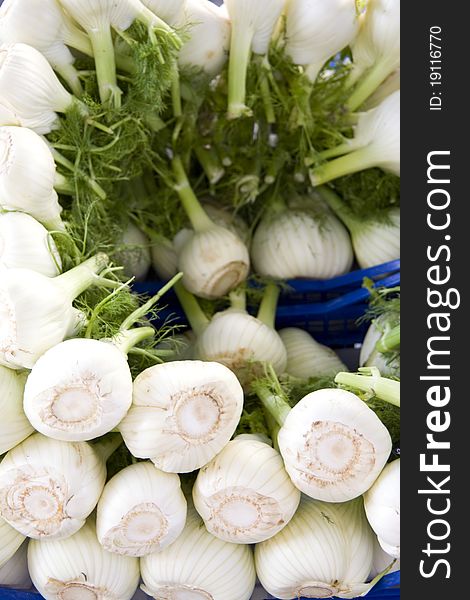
376	143
141	510
36	311
98	18
80	568
374	241
382	504
168	10
208	30
325	550
48	488
317	30
14	425
236	339
19	23
30	89
199	566
28	175
333	445
183	413
89	394
306	357
253	24
376	50
14	573
300	242
213	260
244	495
11	541
382	561
25	243
134	253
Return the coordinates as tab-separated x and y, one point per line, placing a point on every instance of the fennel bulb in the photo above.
81	388
376	50
11	541
19	21
374	241
306	357
333	445
213	260
28	175
317	30
253	24
236	339
382	505
14	573
183	413
325	550
134	253
376	143
244	495
208	30
199	566
14	426
36	311
382	561
301	241
48	488
25	243
79	568
98	18
141	510
30	90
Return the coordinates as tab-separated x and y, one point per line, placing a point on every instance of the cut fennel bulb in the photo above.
98	18
36	311
141	510
14	573
14	425
374	242
382	504
135	253
30	92
25	243
333	445
325	550
19	23
306	357
199	566
28	175
183	413
208	30
376	50
11	541
317	30
79	568
48	488
253	24
300	242
376	143
244	494
236	339
213	260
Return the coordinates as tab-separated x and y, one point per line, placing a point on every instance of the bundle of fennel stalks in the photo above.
207	146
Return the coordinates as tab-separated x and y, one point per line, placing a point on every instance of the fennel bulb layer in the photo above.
141	510
14	425
11	541
14	573
199	566
325	550
333	445
183	413
79	568
244	494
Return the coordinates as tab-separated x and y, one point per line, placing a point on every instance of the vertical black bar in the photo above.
434	112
